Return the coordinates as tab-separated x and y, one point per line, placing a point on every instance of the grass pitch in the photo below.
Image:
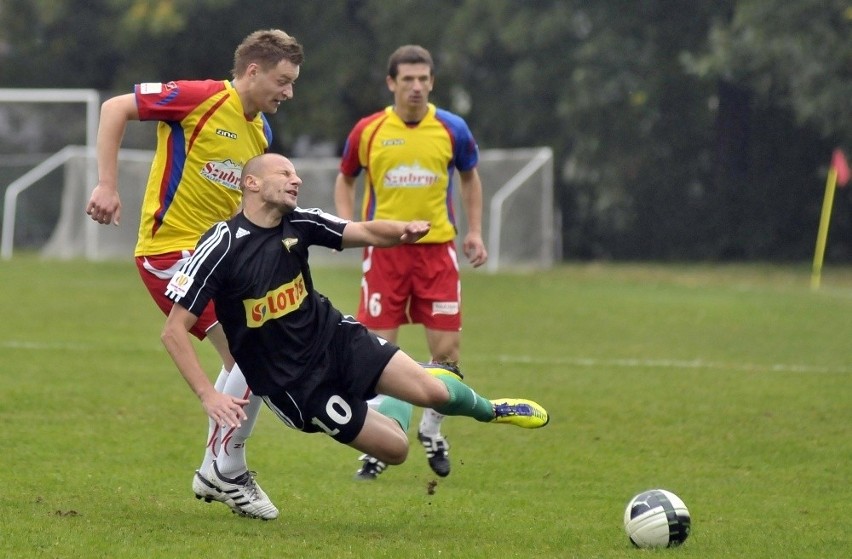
729	386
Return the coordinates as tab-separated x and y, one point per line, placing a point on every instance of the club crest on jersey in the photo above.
409	176
289	242
225	173
179	285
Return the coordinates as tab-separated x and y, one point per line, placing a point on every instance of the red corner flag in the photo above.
841	167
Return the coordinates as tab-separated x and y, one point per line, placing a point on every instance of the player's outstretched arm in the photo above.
383	232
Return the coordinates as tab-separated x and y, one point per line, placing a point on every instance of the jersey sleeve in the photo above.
319	227
201	277
350	164
465	149
267	132
173	101
351	161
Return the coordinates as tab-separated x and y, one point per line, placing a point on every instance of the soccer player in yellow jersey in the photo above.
410	152
206	131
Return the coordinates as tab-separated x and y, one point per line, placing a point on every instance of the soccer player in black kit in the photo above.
314	367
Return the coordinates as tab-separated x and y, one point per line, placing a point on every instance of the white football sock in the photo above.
430	423
231	458
376	401
213	427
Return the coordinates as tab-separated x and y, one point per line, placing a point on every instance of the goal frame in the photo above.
91	98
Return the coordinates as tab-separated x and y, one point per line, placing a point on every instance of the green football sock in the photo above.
397	410
464	401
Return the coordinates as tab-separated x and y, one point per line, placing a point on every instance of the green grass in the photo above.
730	386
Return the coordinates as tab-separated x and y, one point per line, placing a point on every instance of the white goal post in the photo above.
501	210
91	99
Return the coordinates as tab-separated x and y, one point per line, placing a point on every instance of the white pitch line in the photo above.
60	346
42	346
665	363
526	359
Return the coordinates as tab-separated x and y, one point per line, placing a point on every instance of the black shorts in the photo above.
333	398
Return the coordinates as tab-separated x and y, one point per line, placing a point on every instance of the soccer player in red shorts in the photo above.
409	153
207	130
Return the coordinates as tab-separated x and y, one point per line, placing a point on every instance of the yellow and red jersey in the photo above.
410	166
203	141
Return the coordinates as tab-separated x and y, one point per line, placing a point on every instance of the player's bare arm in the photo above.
224	409
344	196
471	196
383	232
105	205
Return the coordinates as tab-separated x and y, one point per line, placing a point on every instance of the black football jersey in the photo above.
277	325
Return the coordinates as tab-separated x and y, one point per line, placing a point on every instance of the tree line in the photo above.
682	129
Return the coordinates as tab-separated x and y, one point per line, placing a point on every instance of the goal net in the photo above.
44	208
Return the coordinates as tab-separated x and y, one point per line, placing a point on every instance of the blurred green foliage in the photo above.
696	130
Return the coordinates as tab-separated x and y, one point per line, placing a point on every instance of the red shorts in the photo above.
411	284
156	271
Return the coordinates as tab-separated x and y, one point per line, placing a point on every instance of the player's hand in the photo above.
104	205
226	411
414	231
474	249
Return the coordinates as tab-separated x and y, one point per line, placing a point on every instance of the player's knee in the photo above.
398	458
395	451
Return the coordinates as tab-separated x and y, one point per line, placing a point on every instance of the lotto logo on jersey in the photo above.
409	176
227	173
276	303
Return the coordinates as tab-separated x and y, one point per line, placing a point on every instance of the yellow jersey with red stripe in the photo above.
410	166
203	141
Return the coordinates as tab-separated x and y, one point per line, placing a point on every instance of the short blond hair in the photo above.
267	48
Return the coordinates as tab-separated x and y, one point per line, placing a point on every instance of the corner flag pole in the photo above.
838	175
822	234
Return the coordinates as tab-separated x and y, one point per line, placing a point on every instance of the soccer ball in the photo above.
656	518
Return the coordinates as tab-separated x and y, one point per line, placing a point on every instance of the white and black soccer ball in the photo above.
656	518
